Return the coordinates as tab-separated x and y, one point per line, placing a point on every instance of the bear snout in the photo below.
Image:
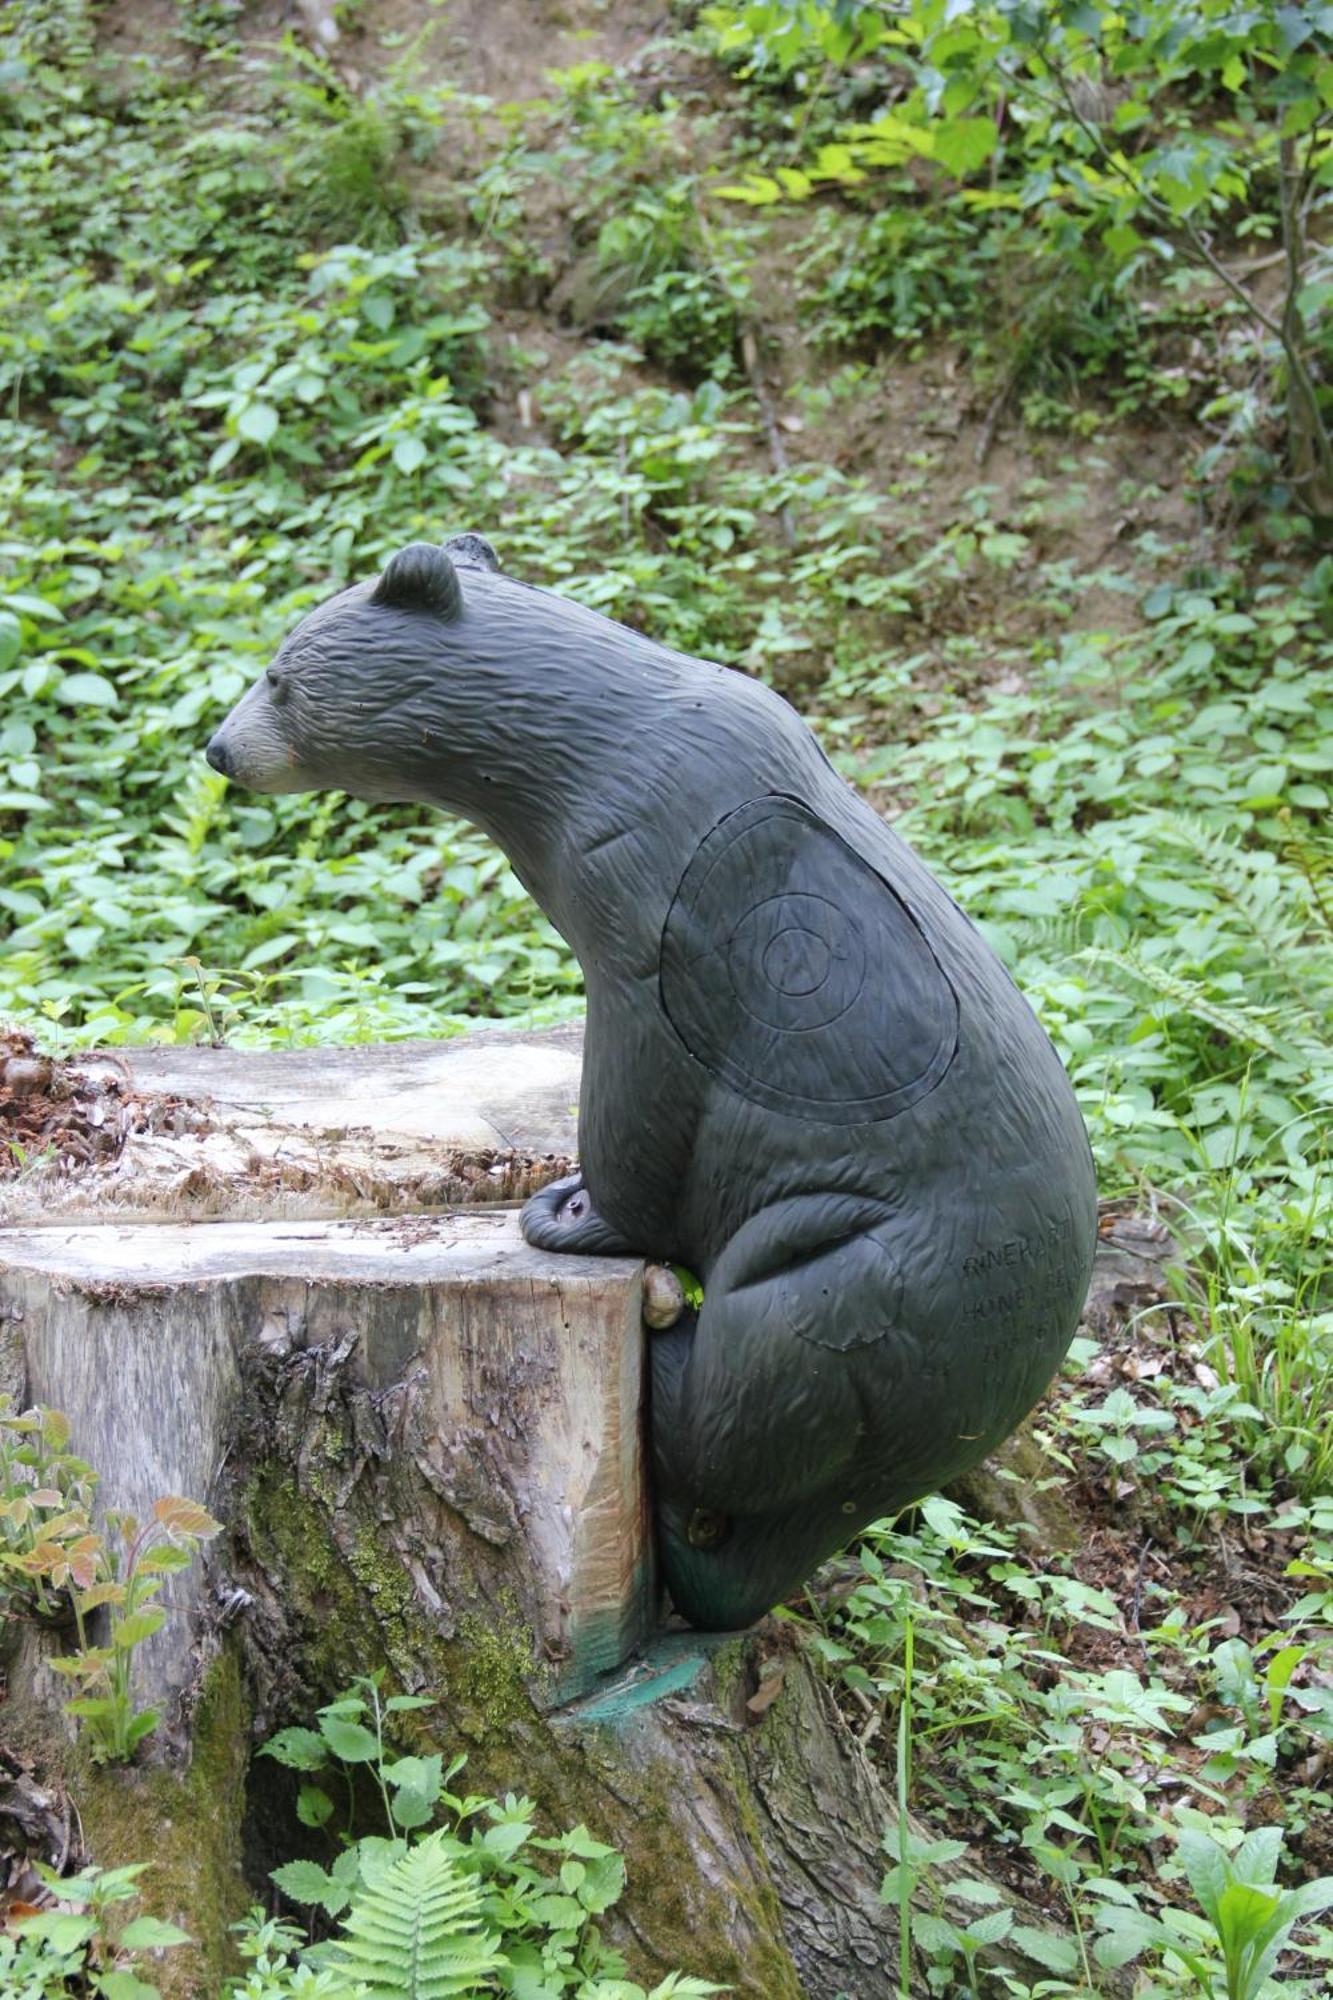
218	756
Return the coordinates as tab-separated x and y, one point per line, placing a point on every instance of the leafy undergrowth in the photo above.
1079	1715
955	485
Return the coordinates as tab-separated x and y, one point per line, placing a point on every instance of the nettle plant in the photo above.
961	1643
92	1943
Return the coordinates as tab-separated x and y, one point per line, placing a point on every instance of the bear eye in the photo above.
277	685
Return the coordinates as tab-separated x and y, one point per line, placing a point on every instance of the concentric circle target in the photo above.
799	977
795	962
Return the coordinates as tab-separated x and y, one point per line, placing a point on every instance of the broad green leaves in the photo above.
1063	79
87	1942
257	422
1146	130
479	1903
1251	1919
959	145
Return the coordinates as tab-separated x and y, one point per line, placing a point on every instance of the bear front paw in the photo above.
562	1217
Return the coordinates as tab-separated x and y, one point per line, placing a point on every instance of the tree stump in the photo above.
491	1397
274	1290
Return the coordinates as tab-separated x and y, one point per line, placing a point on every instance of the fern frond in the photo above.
1316	865
1272	900
415	1932
1055	938
1247	1025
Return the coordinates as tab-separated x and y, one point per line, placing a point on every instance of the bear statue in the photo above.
806	1075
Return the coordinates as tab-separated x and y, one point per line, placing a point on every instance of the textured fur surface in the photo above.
806	1076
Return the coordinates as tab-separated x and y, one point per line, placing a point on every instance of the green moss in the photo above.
348	1607
686	1918
493	1666
381	1576
597	1773
187	1826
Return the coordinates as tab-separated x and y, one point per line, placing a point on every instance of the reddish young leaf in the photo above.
185	1517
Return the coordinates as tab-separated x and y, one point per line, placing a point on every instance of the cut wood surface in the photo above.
203	1132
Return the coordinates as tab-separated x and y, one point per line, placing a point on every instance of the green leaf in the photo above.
1310	1898
164	1560
758	190
506	1838
964	144
1245	1913
127	1633
991	1928
61	1929
274	947
313	1806
257	423
1126	1934
141	1725
409	453
603	1882
1257	1857
122	1985
1122	240
348	1740
935	1935
148	1933
1057	1954
1206	1869
968	1890
411	1807
86	691
299	1749
31	606
1277	1676
559	1913
305	1881
11	638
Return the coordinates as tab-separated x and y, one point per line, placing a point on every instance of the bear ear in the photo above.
419	578
473	551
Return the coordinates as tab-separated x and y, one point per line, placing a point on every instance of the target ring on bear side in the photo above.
798	976
796	962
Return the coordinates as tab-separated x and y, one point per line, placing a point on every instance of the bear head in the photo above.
352	697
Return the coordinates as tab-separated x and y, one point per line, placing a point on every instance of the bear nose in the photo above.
216	754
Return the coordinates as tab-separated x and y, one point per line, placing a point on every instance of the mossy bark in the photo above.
184	1817
703	1797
